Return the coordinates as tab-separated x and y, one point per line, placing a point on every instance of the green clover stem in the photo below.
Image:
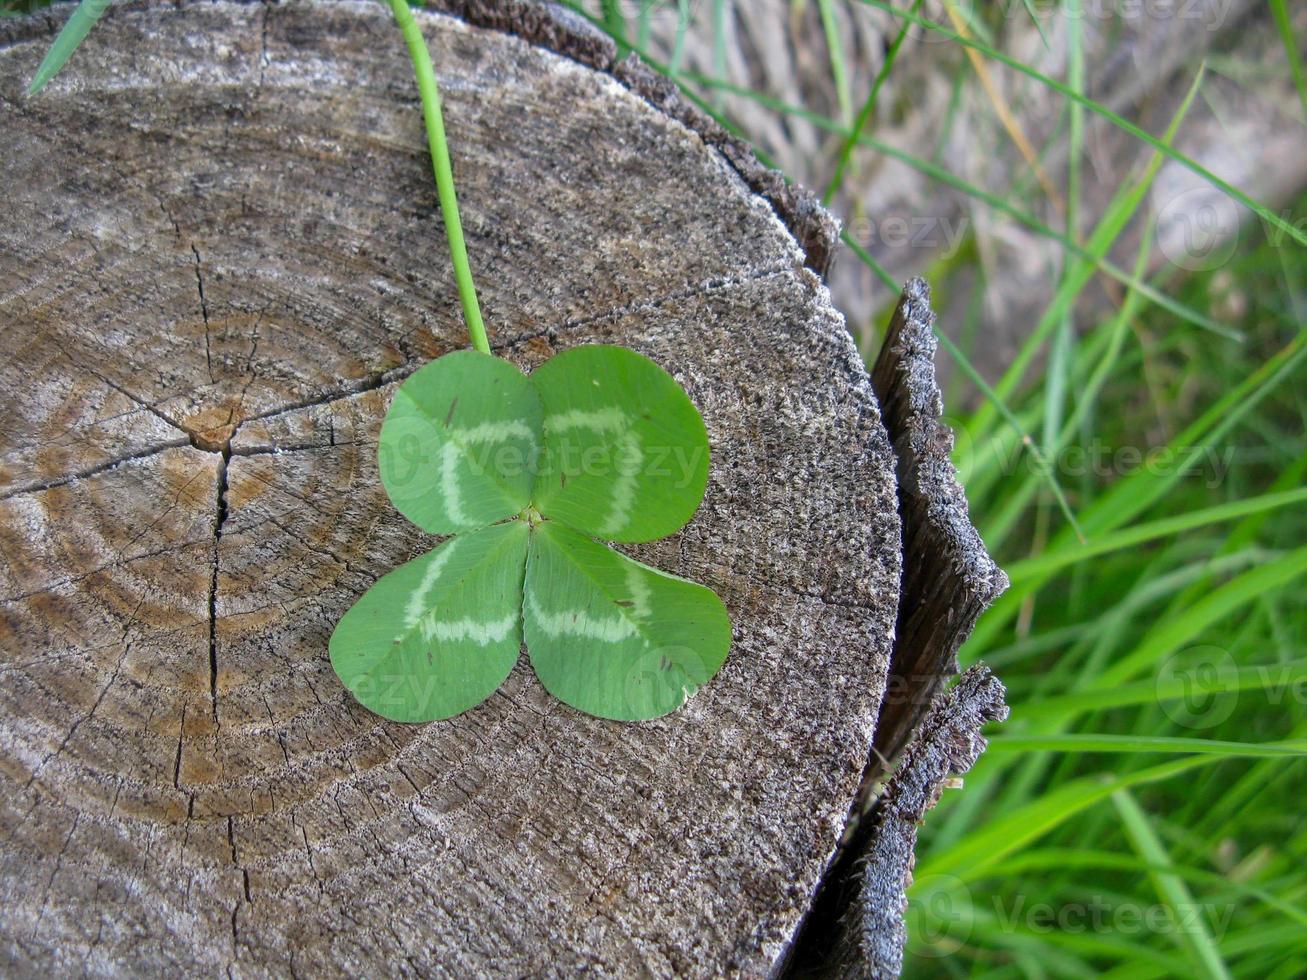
444	171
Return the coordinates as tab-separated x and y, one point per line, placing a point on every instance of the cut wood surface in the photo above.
220	253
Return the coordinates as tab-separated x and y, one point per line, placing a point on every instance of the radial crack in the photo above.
219	520
204	312
95	470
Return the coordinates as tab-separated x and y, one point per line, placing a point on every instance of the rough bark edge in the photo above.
949	579
948	743
557	29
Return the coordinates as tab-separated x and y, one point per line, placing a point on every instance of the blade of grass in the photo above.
867	259
613	20
719	43
1280	10
1003	111
1054	559
1044	469
865	113
1140	744
1098	109
66	42
1058	858
1171	889
835	50
1278	677
1009	833
1060	358
678	46
1171	634
644	23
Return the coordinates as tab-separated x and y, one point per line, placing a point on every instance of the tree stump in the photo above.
221	254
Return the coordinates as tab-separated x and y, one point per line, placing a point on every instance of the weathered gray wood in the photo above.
220	252
871	932
925	734
948	578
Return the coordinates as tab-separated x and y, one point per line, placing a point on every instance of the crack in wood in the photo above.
96	470
177	762
204	312
72	730
219	520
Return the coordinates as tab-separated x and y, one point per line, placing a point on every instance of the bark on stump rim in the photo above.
221	253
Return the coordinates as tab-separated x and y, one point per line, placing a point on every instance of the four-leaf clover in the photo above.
526	473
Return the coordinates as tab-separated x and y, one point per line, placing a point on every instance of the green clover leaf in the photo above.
525	473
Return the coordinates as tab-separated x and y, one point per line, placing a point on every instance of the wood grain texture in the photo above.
949	578
872	931
220	253
925	733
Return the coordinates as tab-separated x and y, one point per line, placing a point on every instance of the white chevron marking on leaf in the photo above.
479	633
628	468
640	594
418	600
493	432
449	454
459	440
579	622
628	462
599	420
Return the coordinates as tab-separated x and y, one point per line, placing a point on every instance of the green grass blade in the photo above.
1039	24
719	42
1061	859
1171	634
1045	471
69	38
835	50
678	46
870	262
1009	833
865	113
1172	890
1054	559
1059	365
1280	10
1087	742
1277	677
614	22
1263	212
